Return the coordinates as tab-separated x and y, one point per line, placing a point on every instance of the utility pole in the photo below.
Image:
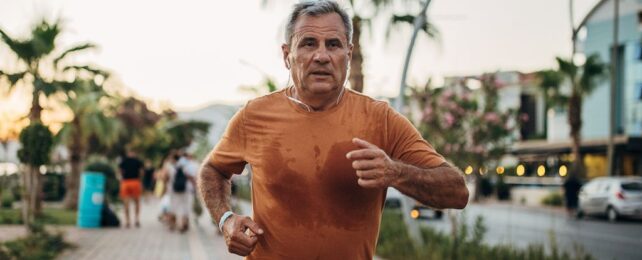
614	76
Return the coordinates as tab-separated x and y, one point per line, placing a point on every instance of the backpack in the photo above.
180	181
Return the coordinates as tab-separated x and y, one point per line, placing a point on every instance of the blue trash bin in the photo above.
90	199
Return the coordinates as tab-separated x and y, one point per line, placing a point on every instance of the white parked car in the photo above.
612	196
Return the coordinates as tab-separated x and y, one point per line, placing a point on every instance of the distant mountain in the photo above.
217	115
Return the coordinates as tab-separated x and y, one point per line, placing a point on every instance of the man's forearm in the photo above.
215	189
439	187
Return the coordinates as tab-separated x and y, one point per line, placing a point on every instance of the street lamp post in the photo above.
614	70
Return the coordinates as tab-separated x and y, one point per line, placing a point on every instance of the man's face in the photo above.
319	53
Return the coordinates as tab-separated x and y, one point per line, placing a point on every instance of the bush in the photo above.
39	244
553	199
111	182
394	243
53	186
37	142
6	199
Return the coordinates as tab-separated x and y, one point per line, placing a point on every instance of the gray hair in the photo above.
315	8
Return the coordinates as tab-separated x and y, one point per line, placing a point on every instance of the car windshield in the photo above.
632	186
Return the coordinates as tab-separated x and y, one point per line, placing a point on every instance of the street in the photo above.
520	226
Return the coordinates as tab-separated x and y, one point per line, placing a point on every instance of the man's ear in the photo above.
350	47
285	49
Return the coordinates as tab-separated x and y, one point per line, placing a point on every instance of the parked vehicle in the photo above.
394	200
613	197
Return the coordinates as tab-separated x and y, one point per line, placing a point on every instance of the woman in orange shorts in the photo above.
130	172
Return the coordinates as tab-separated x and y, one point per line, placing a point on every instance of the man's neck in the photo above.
317	102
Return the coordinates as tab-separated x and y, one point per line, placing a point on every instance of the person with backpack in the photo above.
178	179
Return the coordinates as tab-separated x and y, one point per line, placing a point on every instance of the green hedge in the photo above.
52	216
394	243
553	199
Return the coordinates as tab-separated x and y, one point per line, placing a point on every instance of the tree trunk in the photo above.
37	192
356	64
26	183
30	195
575	121
72	182
36	109
77	150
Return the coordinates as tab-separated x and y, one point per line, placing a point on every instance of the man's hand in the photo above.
374	168
241	234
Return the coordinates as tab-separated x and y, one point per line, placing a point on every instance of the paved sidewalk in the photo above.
151	241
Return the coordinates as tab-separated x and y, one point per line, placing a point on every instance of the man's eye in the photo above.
308	44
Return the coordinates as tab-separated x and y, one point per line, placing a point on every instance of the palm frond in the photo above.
567	67
427	27
76	48
13	77
87	68
23	49
593	73
43	37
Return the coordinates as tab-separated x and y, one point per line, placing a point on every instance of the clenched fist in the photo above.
241	234
374	167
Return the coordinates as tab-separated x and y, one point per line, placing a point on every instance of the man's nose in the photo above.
321	55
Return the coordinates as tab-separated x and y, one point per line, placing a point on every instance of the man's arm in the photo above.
439	187
215	190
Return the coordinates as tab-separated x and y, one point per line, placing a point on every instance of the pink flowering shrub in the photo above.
465	126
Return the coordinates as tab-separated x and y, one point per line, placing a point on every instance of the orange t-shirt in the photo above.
305	194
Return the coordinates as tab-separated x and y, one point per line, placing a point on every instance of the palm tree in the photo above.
90	120
582	80
419	22
34	53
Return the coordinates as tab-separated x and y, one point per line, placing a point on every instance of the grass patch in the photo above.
394	243
50	216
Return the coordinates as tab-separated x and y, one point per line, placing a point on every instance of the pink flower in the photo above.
492	117
450	119
465	96
428	114
448	93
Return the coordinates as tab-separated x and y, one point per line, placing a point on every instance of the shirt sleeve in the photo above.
227	157
405	143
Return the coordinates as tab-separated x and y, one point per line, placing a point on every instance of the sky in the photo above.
191	53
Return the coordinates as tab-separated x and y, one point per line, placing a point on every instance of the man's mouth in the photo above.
321	73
